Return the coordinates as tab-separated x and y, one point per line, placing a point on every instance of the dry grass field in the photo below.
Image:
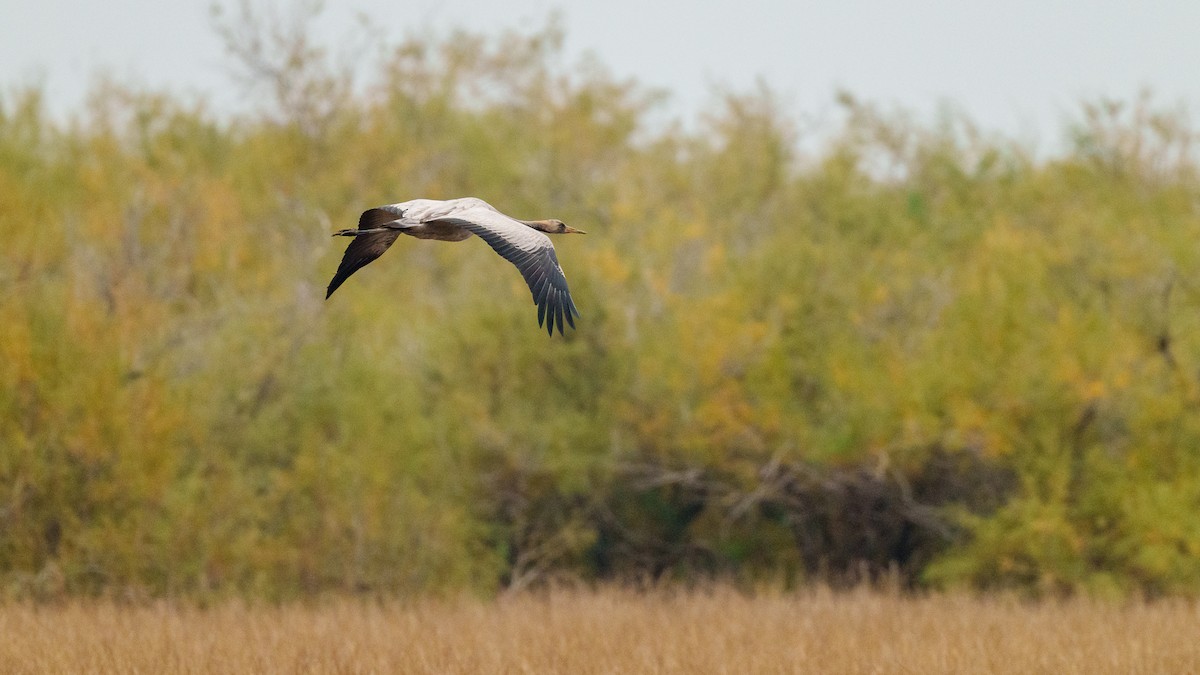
610	632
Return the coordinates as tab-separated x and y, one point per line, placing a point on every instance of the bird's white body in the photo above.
419	213
521	242
420	210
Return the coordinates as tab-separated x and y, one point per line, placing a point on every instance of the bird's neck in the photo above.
540	225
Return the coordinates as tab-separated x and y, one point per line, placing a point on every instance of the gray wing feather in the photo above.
361	251
532	253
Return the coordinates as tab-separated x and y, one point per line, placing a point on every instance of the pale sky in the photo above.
1018	67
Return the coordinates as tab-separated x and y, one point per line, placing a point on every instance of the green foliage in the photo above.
182	413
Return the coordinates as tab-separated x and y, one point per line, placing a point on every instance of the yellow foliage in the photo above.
183	412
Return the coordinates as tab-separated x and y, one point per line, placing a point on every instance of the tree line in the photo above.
910	349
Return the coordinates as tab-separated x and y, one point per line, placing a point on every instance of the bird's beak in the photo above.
567	229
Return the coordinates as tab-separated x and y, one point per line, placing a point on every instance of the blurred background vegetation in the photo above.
920	352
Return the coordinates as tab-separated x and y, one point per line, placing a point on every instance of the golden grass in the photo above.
610	631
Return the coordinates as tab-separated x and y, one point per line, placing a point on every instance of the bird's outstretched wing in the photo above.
365	247
532	253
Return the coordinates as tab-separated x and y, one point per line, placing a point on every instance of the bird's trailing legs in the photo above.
355	233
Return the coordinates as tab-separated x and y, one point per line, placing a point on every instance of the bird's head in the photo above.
553	226
563	228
